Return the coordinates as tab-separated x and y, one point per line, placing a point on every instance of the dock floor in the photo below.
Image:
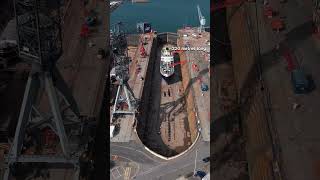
198	68
168	112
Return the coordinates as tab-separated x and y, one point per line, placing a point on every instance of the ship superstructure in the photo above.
167	62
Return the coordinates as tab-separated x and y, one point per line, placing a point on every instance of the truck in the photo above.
301	83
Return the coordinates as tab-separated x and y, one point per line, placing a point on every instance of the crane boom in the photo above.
199	13
202	20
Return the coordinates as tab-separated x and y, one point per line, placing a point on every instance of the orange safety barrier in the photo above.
84	31
195	67
182	62
290	61
142	51
268	12
277	24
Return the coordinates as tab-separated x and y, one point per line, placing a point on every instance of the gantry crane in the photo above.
40	45
121	59
202	20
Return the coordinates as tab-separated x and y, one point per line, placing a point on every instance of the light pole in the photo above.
195	163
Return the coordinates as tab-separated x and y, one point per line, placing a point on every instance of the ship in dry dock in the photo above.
166	63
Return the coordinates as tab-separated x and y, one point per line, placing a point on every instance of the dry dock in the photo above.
174	126
171	110
169	120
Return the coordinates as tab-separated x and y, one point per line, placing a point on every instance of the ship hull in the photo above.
167	62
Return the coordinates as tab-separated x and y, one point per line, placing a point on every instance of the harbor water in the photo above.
164	15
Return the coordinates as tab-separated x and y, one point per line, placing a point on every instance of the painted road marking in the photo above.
116	171
137	165
127	173
138	152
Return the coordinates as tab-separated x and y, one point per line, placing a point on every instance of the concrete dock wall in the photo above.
146	93
167	37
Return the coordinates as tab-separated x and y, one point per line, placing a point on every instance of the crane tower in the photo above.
121	59
40	44
202	20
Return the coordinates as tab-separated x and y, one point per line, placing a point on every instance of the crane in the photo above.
120	55
38	25
202	20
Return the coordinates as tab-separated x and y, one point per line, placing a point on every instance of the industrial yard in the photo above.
262	105
155	93
167	102
44	143
166	111
161	116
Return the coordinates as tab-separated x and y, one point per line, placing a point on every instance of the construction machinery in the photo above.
48	108
202	20
120	55
301	83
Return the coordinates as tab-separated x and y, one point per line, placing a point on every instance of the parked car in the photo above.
201	174
204	87
207	159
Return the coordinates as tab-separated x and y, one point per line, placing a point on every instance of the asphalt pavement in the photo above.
151	167
295	129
